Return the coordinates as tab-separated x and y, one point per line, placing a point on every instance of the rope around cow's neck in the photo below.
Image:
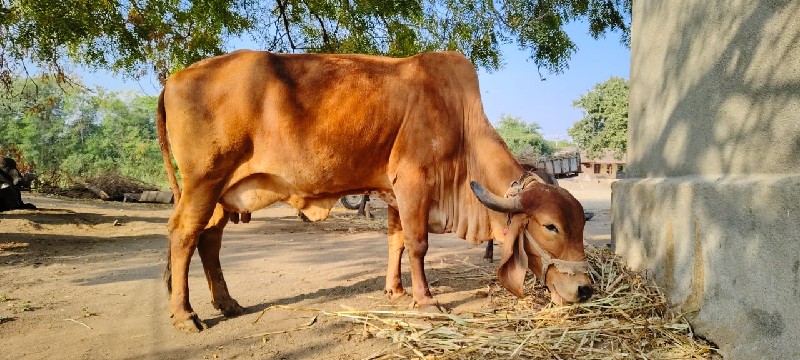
562	266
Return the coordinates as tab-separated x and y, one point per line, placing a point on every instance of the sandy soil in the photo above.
82	280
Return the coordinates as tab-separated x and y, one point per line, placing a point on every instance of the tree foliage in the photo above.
605	121
72	133
48	116
523	139
135	37
125	36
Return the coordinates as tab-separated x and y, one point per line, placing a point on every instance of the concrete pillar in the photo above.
711	204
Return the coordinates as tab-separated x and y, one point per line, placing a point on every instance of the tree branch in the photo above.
282	8
325	37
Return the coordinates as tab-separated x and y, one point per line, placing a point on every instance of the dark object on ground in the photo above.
588	215
10	180
11	199
9	173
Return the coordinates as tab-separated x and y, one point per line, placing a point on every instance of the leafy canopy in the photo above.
523	139
67	132
136	37
605	118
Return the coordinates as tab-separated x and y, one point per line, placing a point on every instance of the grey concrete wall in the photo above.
715	88
712	202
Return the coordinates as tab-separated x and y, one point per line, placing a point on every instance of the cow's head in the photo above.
545	234
9	172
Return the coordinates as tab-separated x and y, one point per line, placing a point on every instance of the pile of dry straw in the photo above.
627	318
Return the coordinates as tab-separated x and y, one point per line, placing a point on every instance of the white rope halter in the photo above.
562	266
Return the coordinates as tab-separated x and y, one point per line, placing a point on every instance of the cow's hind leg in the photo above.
208	247
394	286
188	221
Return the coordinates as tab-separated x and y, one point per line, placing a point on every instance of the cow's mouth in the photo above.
565	296
555	297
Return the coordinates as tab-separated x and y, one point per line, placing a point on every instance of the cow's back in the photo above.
337	120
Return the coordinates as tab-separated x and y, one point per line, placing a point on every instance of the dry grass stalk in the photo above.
626	318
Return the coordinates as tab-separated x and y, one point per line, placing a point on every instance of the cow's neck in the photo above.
489	162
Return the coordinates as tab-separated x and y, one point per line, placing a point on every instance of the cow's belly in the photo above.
258	191
251	194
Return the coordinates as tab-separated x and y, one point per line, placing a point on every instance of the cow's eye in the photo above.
552	228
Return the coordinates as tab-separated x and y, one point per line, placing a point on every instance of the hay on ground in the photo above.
627	317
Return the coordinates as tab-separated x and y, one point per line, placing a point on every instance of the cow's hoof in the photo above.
428	305
191	325
229	308
394	294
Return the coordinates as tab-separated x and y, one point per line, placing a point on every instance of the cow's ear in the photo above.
514	264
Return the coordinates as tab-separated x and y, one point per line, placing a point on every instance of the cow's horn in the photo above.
494	202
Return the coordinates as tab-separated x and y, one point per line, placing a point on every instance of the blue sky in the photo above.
516	89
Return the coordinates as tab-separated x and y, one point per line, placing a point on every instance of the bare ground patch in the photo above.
82	280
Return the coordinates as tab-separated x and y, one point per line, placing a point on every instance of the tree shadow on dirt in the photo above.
56	216
318	341
46	249
442	282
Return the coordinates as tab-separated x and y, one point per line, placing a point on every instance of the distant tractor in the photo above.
561	166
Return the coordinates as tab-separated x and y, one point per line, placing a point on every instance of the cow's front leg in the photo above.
394	286
208	247
413	202
417	246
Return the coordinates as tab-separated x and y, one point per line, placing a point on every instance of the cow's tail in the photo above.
161	126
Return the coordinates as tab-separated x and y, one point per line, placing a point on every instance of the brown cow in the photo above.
249	128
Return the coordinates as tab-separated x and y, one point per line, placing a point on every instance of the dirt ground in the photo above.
82	280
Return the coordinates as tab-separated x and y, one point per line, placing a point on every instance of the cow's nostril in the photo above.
584	293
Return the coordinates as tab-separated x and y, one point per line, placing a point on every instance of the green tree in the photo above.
121	137
605	118
523	139
135	37
560	144
130	37
70	132
33	120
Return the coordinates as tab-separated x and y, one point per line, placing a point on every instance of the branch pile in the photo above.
110	187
